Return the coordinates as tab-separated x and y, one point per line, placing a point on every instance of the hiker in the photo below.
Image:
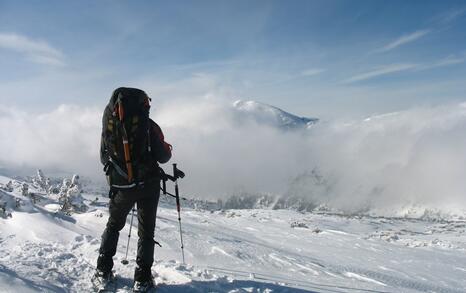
132	145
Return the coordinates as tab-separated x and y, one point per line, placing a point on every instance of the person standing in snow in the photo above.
132	145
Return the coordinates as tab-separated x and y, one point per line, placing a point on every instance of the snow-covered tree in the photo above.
70	196
75	181
40	181
9	186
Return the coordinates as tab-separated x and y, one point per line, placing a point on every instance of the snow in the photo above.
256	250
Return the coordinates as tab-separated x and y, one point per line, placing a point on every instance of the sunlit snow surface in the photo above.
237	251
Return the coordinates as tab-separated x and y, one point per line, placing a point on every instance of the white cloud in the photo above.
65	139
450	60
415	157
381	71
312	71
394	68
404	40
449	16
37	51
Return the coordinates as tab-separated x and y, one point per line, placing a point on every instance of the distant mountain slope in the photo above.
273	116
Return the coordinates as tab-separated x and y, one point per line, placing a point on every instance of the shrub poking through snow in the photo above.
94	202
297	224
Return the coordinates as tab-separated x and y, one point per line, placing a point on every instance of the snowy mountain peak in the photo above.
267	114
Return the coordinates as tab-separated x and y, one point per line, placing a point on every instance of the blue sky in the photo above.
328	59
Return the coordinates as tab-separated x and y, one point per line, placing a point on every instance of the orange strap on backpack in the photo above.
129	166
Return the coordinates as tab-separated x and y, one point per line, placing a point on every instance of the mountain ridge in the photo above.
271	115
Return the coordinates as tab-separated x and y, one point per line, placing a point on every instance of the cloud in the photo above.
395	68
449	16
404	40
382	164
312	71
389	69
450	60
64	139
408	158
36	51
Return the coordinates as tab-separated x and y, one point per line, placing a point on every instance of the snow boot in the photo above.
103	281
145	286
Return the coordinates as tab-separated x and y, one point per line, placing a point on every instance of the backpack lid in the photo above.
134	100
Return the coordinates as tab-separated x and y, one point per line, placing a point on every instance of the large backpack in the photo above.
126	139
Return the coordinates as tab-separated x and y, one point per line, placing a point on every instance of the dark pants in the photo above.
146	199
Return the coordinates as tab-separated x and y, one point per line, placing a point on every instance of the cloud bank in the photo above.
65	139
384	163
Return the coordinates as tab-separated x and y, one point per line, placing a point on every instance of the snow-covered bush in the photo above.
7	187
246	200
70	196
75	181
54	189
40	181
25	189
26	192
45	184
298	224
18	203
4	213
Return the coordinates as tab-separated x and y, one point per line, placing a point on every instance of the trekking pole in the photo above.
177	172
125	260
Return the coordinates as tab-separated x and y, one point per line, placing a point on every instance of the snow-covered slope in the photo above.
235	251
272	116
